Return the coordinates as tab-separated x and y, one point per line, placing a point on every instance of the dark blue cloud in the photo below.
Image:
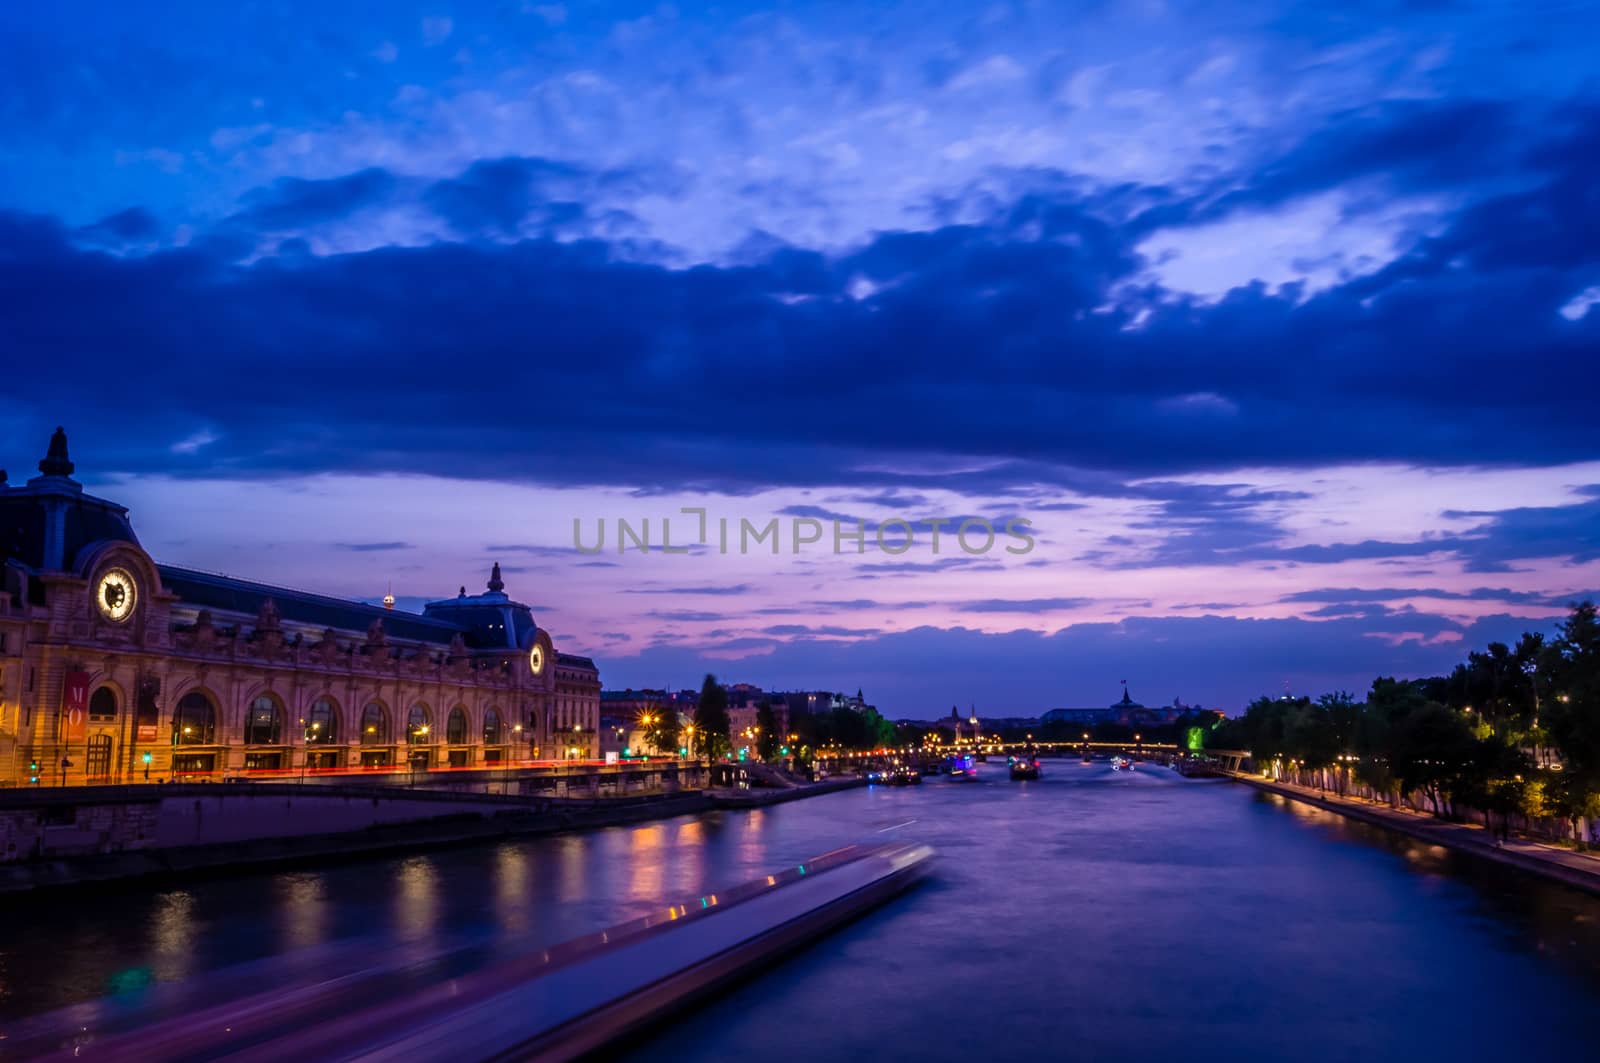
1030	340
294	203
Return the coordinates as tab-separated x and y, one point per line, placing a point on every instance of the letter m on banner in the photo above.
75	707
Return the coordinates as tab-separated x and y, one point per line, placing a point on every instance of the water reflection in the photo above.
512	881
416	899
302	909
173	935
645	862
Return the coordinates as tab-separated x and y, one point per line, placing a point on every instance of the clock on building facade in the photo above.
115	594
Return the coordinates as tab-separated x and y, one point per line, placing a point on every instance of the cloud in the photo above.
291	203
697	589
1053	281
1214	661
125	228
372	548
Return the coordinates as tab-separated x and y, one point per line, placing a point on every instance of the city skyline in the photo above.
1278	326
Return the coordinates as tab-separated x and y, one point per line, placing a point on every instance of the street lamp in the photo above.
516	738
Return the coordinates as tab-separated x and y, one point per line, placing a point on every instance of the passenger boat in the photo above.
905	775
1025	767
961	767
505	999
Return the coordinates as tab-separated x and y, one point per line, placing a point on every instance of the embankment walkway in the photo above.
1579	870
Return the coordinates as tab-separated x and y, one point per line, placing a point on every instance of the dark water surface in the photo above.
1090	915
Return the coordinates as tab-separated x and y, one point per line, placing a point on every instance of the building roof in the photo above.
229	594
46	523
572	660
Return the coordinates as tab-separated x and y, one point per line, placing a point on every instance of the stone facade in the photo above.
115	668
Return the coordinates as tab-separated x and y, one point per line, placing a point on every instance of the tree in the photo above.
661	729
1431	747
711	720
1573	708
767	736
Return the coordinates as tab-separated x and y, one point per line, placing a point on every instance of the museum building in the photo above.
114	668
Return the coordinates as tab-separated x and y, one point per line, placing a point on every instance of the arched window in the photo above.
194	721
491	728
417	725
374	725
455	729
322	723
264	725
103	704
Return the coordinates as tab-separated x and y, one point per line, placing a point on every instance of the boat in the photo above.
1121	763
509	999
905	775
1025	767
961	767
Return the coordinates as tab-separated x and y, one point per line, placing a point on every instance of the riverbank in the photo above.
469	826
1578	870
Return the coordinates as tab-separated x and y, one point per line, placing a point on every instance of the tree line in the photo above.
1511	735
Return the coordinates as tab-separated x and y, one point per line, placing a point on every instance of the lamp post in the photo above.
516	732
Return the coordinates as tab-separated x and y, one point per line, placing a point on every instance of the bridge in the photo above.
1204	761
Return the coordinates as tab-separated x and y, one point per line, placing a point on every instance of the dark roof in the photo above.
25	512
28	512
209	591
574	660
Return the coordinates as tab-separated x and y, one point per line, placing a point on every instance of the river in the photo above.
1089	915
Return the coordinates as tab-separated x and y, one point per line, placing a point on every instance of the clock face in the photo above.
536	659
116	594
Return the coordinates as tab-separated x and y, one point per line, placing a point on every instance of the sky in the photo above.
1274	323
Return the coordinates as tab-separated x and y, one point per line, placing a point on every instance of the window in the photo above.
417	725
264	725
374	726
322	723
194	721
194	764
455	730
103	704
491	728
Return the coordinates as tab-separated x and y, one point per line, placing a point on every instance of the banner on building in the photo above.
75	708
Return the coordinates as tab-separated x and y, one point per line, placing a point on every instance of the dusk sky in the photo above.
1280	323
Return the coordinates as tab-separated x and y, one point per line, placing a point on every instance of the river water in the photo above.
1089	915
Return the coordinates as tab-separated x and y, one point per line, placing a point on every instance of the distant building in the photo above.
747	717
107	658
1126	711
